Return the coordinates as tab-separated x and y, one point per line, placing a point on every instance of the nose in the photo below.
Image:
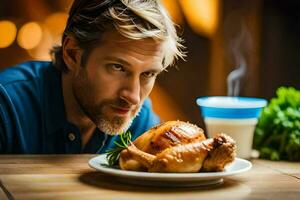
131	91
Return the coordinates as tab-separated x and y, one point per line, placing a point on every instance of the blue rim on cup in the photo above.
231	107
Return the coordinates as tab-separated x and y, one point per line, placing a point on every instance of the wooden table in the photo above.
70	177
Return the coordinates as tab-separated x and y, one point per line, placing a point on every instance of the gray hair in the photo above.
134	19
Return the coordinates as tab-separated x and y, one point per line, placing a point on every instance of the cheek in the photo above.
103	86
146	89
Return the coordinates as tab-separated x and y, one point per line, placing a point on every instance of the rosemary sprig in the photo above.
113	154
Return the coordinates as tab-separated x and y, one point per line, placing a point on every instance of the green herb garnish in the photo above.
277	135
113	154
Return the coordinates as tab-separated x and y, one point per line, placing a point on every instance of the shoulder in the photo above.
21	105
26	71
22	83
20	90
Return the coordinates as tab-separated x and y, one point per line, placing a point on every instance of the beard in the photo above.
106	121
100	113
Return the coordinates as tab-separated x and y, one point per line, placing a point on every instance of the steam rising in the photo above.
239	46
235	77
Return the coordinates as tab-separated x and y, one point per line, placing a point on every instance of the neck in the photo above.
75	114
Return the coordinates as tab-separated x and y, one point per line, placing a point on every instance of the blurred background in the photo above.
246	48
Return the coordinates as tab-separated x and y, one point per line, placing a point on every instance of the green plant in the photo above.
277	134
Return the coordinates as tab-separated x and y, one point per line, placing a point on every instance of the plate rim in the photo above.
156	175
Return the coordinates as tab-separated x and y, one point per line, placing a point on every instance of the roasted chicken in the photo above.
177	146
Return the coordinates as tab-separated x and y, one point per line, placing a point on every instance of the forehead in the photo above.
114	42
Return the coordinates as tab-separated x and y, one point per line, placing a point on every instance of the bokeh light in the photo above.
174	10
41	51
52	27
8	32
30	35
55	24
202	15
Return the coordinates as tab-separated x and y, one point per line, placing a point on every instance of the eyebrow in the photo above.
120	60
124	62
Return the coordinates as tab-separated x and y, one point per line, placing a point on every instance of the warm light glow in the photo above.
202	15
174	10
165	106
8	31
29	35
52	27
41	51
55	24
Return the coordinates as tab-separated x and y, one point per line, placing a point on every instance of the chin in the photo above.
115	126
112	124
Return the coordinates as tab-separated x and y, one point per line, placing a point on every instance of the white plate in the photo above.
170	179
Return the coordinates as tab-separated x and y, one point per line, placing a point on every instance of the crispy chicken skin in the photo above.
224	152
159	138
168	134
180	158
177	146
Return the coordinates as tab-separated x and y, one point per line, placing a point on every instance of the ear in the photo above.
71	54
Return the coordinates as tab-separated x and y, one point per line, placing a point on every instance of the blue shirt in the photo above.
33	118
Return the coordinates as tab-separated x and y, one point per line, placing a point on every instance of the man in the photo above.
97	84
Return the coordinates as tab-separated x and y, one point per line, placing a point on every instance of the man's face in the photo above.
118	76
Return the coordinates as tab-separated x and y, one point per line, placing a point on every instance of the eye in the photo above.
116	67
149	74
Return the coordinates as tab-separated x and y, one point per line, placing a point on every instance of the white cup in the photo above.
234	116
241	130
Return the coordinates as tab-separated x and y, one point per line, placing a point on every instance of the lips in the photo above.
120	110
